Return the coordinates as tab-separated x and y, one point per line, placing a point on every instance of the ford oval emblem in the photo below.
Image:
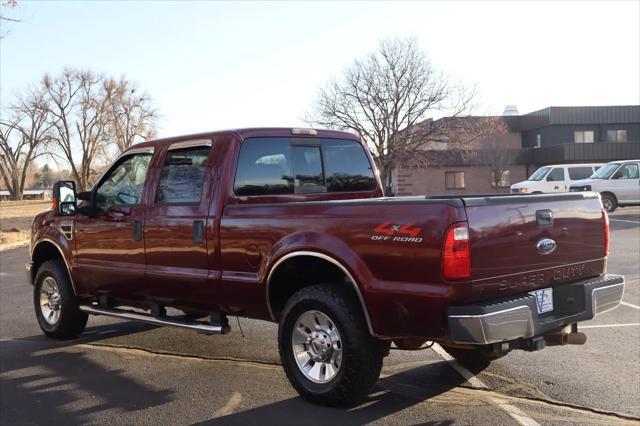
546	246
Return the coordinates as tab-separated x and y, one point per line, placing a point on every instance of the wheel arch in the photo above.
275	281
609	193
44	250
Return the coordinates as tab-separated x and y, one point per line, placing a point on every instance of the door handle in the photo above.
197	231
137	230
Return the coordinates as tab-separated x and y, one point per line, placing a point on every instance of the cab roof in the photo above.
574	164
254	132
622	161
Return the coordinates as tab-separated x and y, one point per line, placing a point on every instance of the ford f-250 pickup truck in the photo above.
291	226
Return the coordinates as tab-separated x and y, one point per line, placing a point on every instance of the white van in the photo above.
618	183
555	178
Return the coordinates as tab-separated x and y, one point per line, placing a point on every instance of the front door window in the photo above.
124	183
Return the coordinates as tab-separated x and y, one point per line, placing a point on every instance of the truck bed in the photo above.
392	246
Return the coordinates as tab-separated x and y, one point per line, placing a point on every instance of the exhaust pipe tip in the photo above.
577	338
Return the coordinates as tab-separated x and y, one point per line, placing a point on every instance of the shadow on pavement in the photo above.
39	384
379	404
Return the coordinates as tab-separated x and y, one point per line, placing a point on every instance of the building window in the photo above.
503	182
583	136
616	135
538	141
454	180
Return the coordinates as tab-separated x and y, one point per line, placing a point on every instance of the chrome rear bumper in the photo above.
517	317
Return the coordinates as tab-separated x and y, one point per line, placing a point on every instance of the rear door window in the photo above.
182	176
270	166
577	173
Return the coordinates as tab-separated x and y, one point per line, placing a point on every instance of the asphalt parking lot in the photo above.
129	373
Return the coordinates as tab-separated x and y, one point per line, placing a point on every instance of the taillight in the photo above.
605	228
456	253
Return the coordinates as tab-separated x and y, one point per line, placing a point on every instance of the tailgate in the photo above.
524	242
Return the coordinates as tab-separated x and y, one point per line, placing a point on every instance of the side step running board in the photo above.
201	327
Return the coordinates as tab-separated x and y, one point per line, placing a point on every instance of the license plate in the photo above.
544	300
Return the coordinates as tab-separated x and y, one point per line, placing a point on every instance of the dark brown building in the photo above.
553	135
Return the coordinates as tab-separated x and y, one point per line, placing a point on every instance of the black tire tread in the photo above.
612	198
72	320
356	378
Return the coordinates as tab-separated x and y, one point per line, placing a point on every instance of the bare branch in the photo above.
23	134
95	117
385	97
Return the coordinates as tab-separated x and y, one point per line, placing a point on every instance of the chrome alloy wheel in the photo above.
607	204
50	301
317	346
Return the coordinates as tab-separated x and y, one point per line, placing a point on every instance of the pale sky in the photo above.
218	65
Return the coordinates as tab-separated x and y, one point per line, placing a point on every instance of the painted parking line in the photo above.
514	412
231	405
624	220
631	324
631	305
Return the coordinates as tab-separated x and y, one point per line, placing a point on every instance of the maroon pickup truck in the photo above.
291	226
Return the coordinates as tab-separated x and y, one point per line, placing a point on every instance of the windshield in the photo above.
605	171
540	173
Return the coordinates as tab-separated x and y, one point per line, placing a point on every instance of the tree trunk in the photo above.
385	178
16	190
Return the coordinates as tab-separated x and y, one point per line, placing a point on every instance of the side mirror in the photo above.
89	207
64	198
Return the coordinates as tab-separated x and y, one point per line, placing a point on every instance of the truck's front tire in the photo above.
609	202
325	346
55	303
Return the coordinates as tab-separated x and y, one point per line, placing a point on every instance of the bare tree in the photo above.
131	115
78	119
385	96
4	16
494	152
23	134
93	117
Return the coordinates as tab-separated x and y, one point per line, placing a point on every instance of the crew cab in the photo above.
291	226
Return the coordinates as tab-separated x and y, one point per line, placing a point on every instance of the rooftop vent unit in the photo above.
511	110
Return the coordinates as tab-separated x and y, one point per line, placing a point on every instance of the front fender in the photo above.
52	237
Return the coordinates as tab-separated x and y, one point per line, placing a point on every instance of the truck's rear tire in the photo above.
471	357
609	202
55	303
326	349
